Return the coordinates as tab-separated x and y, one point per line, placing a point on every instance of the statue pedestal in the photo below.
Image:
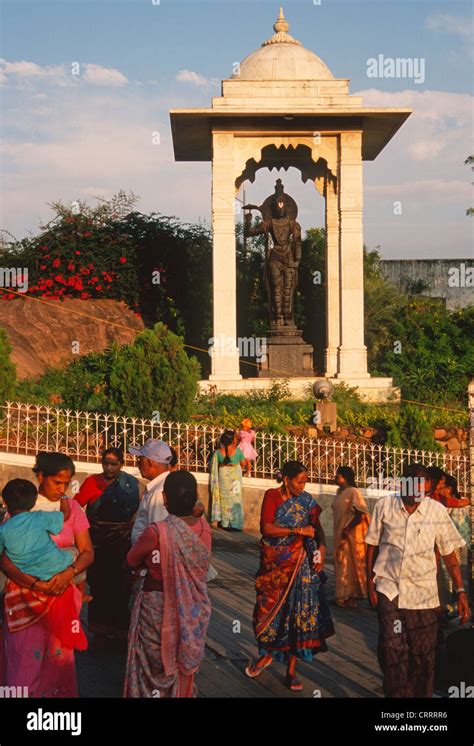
287	355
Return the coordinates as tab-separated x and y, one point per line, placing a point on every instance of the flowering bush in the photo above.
82	253
160	267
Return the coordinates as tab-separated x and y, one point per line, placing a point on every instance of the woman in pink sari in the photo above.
171	611
34	658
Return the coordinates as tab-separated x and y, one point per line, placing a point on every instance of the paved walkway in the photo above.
348	669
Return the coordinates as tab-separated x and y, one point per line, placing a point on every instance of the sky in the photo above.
84	85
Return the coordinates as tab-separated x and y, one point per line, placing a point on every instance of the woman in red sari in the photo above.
291	618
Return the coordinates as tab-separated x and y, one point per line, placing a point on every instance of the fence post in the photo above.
471	488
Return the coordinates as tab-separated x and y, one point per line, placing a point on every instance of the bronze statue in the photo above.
282	253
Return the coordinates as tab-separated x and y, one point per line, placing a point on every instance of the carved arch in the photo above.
310	158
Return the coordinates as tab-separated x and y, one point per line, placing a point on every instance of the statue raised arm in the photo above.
283	252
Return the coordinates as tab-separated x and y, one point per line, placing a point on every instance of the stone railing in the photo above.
27	429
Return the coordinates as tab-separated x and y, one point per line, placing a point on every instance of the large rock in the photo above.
44	334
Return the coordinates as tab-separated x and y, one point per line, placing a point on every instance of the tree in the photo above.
382	305
7	368
153	375
435	359
310	300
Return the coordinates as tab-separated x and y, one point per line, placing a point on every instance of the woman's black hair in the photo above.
50	463
227	438
452	483
180	488
174	457
117	452
436	475
19	494
290	469
348	474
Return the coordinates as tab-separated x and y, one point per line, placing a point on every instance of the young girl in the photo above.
247	437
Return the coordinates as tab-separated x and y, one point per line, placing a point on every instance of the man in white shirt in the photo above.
402	568
153	463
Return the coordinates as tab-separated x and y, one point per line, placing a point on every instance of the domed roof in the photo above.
283	58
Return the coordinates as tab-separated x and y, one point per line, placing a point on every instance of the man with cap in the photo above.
154	458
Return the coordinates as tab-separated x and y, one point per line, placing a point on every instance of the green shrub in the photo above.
42	390
154	374
7	368
412	429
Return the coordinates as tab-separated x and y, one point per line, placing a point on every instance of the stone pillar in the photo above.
332	279
225	356
352	354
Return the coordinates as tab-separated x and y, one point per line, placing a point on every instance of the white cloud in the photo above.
440	124
436	189
449	24
29	72
25	70
86	141
91	143
188	76
98	75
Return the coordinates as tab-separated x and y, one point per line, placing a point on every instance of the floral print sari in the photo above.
291	614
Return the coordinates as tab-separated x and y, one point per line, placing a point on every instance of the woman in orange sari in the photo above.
351	522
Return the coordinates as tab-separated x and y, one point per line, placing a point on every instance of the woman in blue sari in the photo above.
111	500
291	618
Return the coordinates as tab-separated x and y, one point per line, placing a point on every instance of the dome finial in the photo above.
280	36
281	24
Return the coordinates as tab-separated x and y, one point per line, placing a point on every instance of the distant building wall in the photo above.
450	279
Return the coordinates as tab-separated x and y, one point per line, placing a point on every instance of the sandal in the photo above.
253	670
294	684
